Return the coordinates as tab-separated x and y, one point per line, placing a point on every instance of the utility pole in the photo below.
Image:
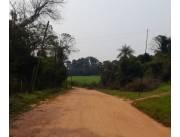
146	40
141	83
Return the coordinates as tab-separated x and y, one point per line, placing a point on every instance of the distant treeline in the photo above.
84	67
129	72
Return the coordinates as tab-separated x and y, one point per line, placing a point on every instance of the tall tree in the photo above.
125	52
162	44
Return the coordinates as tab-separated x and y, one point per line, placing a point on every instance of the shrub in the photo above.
143	84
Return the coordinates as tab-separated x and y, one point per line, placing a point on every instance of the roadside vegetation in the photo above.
24	101
158	108
155	103
38	54
164	88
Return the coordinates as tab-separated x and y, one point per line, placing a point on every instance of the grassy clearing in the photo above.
85	81
158	108
164	88
22	102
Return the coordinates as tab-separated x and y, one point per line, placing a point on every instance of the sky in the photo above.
101	27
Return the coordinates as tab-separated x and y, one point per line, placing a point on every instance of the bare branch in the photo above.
30	11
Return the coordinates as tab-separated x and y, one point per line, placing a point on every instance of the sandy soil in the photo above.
86	113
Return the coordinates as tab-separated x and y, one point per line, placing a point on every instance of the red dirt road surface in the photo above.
86	113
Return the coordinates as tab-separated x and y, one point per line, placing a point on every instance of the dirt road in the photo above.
86	113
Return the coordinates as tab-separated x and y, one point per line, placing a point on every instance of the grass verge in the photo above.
164	88
21	102
158	108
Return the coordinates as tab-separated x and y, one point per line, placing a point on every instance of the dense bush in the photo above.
36	63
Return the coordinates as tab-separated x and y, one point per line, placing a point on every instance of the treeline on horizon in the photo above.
84	66
129	72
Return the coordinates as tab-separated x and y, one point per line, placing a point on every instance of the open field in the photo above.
85	81
21	102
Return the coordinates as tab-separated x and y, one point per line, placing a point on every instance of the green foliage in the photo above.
84	67
50	74
130	68
85	81
37	58
162	45
125	52
144	84
158	108
119	73
160	67
143	72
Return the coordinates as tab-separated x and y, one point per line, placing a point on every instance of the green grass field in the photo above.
21	102
158	108
85	81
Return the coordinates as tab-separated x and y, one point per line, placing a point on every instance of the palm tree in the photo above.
125	52
162	44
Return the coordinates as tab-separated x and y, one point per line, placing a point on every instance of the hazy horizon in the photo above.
102	26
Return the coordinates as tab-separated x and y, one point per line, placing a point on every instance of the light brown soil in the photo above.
86	113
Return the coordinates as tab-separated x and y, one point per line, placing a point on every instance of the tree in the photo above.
129	69
37	54
125	52
29	11
162	44
161	64
85	66
144	58
109	74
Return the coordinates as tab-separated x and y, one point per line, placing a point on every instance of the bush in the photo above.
143	84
